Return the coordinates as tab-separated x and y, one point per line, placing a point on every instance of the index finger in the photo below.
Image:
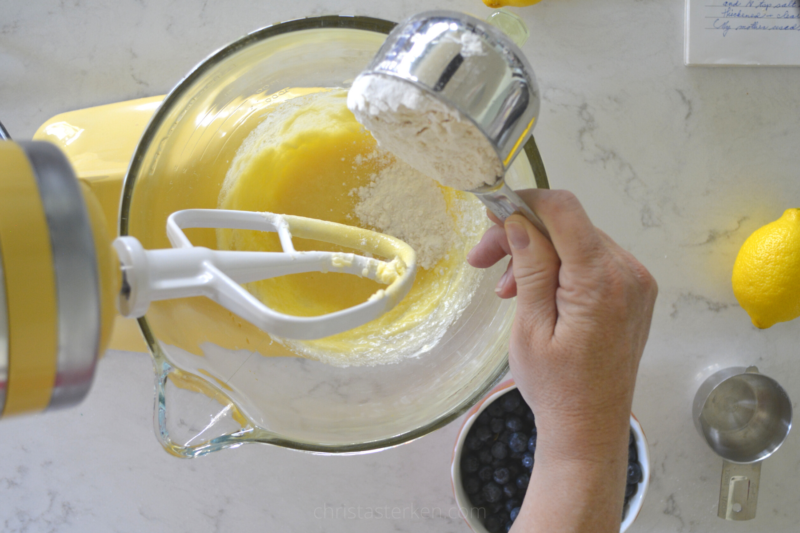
573	235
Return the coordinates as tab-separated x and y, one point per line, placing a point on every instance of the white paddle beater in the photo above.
186	270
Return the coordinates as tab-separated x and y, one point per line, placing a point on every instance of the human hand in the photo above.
584	307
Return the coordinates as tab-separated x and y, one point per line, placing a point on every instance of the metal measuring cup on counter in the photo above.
744	416
495	89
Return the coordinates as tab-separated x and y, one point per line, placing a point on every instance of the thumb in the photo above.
536	265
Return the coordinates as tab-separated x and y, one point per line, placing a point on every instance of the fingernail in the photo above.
503	280
517	236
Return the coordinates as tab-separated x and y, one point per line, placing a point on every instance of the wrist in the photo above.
582	439
573	495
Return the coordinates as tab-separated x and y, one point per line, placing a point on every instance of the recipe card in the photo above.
742	32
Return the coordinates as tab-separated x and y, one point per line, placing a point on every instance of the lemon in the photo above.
766	274
510	3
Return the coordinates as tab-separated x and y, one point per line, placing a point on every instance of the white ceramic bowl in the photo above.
462	500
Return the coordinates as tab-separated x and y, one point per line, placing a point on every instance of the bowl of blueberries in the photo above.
495	454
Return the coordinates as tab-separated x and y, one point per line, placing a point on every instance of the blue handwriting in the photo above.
725	26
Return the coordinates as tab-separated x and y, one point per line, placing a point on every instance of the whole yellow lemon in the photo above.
510	3
766	274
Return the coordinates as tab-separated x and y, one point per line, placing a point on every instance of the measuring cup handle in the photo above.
738	491
504	202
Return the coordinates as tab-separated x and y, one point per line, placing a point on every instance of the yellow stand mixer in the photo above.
62	279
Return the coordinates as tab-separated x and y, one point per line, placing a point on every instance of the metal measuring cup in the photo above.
495	89
744	417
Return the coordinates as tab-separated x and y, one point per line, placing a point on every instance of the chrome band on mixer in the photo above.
471	65
4	135
75	265
3	337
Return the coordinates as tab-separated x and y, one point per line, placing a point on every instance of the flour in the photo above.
471	45
403	203
419	129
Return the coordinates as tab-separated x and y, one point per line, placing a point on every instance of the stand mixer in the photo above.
63	259
206	361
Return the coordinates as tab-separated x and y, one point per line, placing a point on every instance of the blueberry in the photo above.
527	461
513	423
511	401
497	507
510	504
492	492
477	499
502	515
631	439
532	443
634	473
630	489
514	470
529	417
517	442
501	476
485	456
510	490
497	425
483	419
504	436
495	409
508	526
515	455
499	463
522	481
633	454
485	473
483	433
472	485
514	513
472	443
493	524
521	410
499	450
470	464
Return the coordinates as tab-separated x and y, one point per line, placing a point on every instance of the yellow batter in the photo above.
306	159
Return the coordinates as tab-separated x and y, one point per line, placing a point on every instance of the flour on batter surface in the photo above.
403	203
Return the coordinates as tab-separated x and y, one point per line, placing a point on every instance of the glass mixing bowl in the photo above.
221	382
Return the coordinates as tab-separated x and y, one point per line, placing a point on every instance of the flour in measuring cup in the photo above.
432	137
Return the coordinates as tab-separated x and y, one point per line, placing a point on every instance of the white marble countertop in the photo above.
678	164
